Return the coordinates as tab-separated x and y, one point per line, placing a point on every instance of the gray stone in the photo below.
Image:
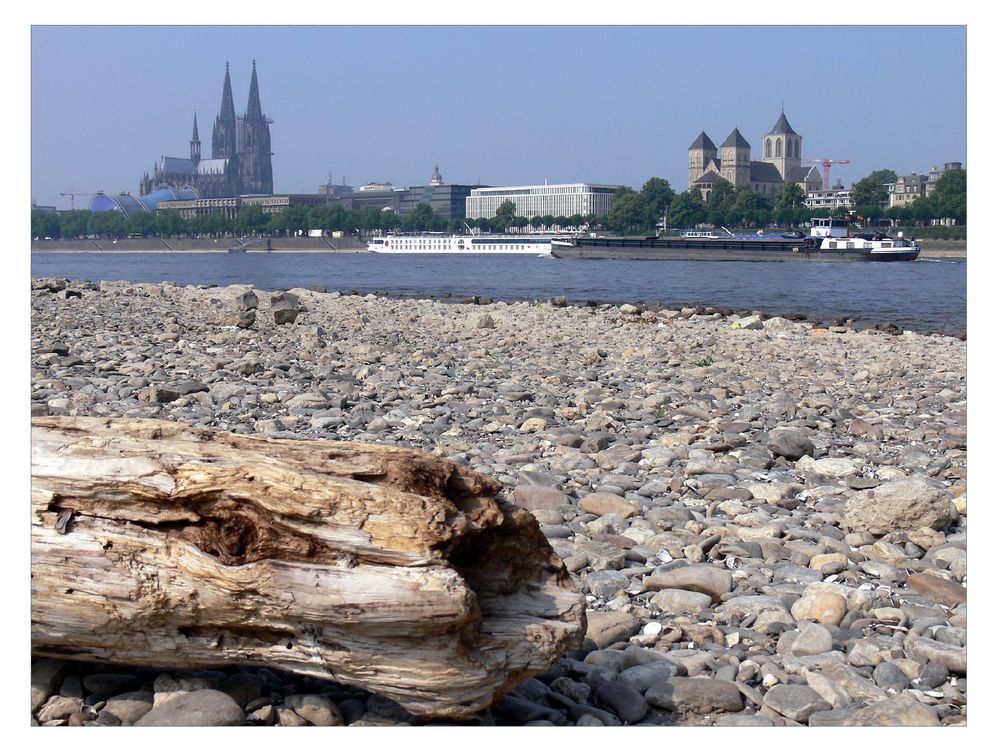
896	711
704	578
46	677
696	694
606	583
676	601
797	702
813	639
199	708
129	707
605	628
791	444
247	301
318	710
932	674
953	657
890	677
535	497
641	677
625	701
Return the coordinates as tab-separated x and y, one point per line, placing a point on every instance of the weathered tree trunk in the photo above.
160	544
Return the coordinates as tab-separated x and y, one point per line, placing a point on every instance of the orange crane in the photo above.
826	168
72	196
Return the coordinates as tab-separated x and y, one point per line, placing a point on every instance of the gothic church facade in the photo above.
782	162
241	153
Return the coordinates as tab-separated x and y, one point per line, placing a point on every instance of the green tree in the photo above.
687	210
504	217
45	224
791	196
948	199
720	203
420	219
656	195
169	222
870	192
626	210
73	224
142	223
107	224
250	220
536	222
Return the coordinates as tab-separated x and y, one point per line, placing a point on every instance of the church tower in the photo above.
224	132
701	153
255	160
736	159
195	143
782	147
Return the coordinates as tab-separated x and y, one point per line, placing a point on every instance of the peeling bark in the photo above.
160	544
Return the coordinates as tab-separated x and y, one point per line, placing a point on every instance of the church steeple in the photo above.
224	133
195	142
255	159
253	102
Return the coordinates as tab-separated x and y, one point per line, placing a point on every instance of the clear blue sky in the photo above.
491	104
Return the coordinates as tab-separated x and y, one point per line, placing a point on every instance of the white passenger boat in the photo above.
484	244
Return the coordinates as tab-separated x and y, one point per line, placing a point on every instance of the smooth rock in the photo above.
199	708
695	694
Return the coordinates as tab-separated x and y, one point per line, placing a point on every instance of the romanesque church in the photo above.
241	153
782	163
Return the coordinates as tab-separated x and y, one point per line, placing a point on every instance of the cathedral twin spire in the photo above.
246	139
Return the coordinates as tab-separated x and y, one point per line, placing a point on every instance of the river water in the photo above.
924	296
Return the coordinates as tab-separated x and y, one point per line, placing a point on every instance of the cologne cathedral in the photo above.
241	154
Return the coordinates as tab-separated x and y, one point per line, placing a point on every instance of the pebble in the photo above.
748	509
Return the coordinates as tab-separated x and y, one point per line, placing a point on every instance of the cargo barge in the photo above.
828	240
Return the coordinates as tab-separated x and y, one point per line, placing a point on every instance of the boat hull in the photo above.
681	248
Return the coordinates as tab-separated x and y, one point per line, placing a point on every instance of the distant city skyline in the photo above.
492	105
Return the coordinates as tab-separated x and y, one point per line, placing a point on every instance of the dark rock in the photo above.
627	702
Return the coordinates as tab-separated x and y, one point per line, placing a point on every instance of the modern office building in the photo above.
542	200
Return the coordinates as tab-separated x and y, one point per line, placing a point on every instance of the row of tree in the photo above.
631	212
251	220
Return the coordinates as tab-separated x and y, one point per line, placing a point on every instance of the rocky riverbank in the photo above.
768	519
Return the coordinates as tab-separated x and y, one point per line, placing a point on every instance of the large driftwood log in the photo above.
160	544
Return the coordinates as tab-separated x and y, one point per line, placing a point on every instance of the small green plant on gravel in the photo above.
706	361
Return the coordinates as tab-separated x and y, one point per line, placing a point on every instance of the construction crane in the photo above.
826	168
72	193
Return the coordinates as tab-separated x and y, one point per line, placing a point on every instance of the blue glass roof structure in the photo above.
129	205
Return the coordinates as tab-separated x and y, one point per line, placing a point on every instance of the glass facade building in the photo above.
542	200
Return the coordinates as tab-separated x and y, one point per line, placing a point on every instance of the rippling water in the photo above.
925	295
